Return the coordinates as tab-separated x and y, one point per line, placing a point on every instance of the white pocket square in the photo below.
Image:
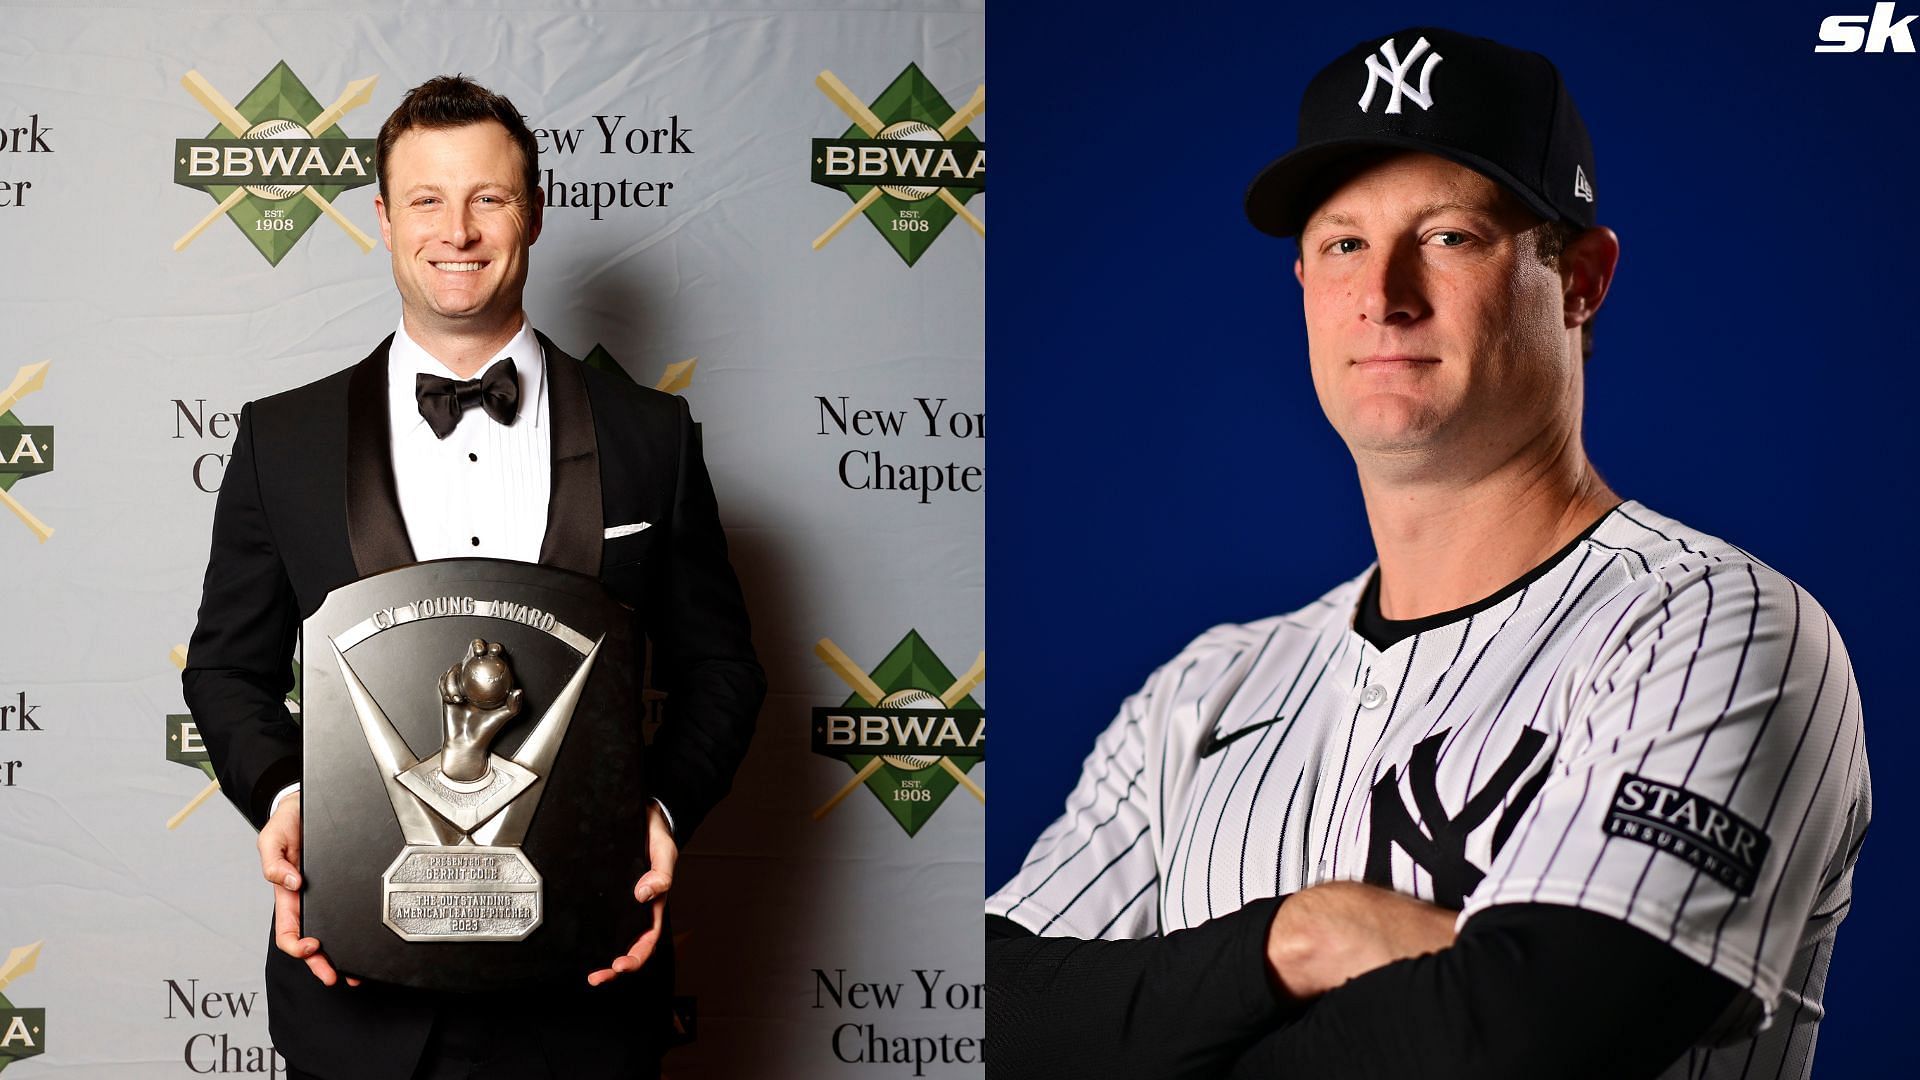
627	530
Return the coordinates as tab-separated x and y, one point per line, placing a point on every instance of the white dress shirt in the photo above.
482	490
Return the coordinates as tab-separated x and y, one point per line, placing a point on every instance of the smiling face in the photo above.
1438	337
459	224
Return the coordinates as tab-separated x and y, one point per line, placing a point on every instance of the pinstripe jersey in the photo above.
1653	726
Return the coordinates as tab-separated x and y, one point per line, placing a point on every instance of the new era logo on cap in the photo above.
1394	73
1500	111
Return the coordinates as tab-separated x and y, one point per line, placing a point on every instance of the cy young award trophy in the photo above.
473	788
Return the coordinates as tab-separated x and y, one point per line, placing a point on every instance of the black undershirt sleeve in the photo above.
1528	990
1174	1007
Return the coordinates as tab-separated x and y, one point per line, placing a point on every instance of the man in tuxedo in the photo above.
467	433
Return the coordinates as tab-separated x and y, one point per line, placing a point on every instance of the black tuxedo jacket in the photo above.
308	504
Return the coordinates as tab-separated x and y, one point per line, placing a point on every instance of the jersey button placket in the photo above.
1371	691
1376	694
1373	698
1387	670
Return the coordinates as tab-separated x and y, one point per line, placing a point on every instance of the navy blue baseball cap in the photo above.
1502	112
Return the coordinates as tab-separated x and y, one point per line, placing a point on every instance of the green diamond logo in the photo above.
910	730
25	449
908	162
184	746
23	1032
676	377
275	160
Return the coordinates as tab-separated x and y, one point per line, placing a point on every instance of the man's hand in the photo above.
279	861
1329	933
651	890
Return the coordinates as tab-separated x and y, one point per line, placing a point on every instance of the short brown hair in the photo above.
450	101
1550	240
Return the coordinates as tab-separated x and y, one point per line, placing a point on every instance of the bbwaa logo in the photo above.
1394	74
1866	33
25	449
185	748
910	731
23	1032
908	162
275	162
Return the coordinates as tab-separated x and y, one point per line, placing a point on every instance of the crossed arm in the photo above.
1327	935
1349	980
1188	1004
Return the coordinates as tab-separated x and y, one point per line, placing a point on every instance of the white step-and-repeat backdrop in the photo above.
706	233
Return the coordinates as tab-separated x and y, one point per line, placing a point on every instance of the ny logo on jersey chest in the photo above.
1441	849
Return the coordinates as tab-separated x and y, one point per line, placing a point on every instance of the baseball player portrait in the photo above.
1558	786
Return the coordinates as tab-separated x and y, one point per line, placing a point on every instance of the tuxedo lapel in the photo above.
375	528
377	531
574	519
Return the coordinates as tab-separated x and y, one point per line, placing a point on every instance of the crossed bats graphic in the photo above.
357	93
869	691
178	654
19	961
29	378
864	118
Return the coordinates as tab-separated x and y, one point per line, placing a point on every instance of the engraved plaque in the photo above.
471	893
472	802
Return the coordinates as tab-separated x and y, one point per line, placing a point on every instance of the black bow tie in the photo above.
442	400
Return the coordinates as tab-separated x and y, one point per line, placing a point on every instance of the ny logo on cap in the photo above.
1394	72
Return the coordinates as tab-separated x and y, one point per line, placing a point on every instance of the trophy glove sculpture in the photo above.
479	698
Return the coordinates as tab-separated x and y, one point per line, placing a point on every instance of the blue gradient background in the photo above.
1159	462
